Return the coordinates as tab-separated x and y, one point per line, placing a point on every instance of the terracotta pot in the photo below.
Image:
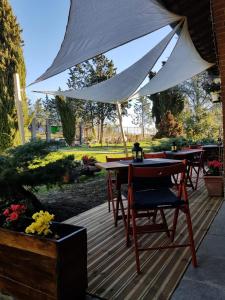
214	185
37	268
66	177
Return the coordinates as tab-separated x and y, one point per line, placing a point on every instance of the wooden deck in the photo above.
111	266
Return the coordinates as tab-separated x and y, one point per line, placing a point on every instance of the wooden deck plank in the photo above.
111	266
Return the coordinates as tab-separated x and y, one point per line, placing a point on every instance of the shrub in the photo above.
26	167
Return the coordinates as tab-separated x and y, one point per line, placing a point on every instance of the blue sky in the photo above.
43	23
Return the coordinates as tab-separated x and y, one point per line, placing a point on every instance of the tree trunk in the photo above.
101	131
33	129
48	130
93	129
142	121
143	131
98	132
81	133
30	196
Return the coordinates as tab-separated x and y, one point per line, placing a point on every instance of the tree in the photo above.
169	126
142	113
197	93
79	77
201	118
50	110
64	108
103	69
11	61
88	73
170	100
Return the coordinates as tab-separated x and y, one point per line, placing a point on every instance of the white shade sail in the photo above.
183	63
121	86
96	26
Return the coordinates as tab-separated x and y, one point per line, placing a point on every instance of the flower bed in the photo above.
48	263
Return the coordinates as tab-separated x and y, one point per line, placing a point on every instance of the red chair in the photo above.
114	181
149	188
154	155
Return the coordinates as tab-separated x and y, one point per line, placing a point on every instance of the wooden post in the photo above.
33	129
218	9
118	106
18	103
48	130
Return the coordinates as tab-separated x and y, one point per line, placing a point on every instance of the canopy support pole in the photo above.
18	103
118	106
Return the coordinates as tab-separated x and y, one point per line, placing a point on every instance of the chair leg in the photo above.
109	195
191	239
154	216
123	212
197	177
164	222
134	229
117	208
128	227
176	214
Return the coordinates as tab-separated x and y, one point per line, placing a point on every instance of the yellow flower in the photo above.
42	223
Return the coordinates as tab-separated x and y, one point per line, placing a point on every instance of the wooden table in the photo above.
183	154
121	167
189	155
123	164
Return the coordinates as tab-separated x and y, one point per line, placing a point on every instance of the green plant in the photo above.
26	167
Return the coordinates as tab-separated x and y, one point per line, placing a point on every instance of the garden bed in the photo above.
74	199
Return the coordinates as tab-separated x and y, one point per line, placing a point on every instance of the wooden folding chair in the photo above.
196	165
114	181
149	188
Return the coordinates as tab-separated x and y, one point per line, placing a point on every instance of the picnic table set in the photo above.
155	183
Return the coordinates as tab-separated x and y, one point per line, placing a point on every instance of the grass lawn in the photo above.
100	152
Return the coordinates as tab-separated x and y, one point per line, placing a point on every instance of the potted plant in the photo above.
214	180
89	167
39	258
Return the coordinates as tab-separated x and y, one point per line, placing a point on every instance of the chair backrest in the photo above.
155	155
155	177
111	159
198	158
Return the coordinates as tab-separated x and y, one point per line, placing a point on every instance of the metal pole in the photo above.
18	103
118	106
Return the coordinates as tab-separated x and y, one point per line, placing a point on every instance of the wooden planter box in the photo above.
32	267
214	185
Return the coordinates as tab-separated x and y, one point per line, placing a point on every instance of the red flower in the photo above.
215	164
215	167
19	208
6	212
14	216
